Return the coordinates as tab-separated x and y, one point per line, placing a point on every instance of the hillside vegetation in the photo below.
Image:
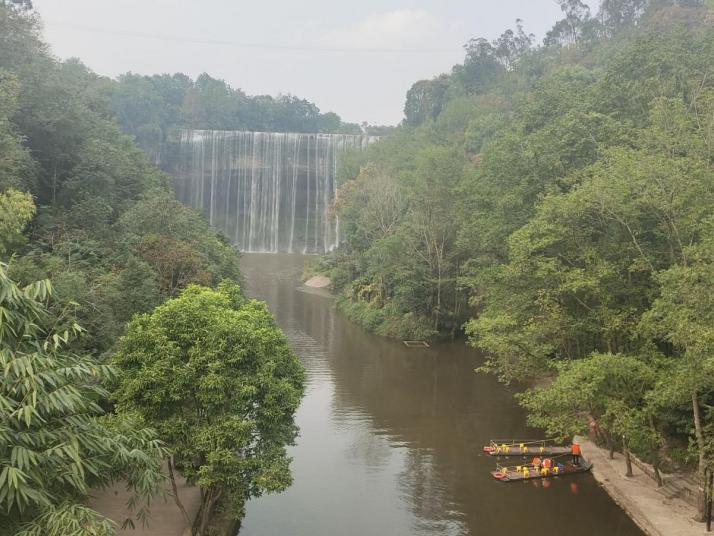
556	202
92	236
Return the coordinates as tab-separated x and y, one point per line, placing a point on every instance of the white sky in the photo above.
355	58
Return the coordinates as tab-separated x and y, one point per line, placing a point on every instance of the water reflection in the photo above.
390	437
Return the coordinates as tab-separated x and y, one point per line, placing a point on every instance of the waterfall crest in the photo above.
268	191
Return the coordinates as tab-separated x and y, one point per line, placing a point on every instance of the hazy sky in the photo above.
356	58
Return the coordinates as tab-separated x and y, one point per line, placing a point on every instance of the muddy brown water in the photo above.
390	437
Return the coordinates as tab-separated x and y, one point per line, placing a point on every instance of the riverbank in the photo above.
654	512
165	518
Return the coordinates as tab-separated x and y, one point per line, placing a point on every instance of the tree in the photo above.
212	104
375	203
213	373
400	231
54	442
569	30
176	263
293	114
481	66
16	169
158	223
597	390
617	16
682	316
16	210
329	122
142	112
425	100
430	230
511	46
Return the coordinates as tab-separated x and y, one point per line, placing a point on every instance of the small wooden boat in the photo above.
524	447
531	472
416	344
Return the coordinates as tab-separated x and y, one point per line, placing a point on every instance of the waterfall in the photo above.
268	192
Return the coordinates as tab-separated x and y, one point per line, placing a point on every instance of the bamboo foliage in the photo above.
55	444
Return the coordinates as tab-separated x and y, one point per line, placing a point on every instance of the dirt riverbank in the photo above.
165	519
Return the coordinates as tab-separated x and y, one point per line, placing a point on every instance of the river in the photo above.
390	437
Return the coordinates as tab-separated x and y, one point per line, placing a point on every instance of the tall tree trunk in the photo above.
175	490
54	185
610	446
437	309
701	446
456	301
208	503
655	455
709	486
628	460
655	467
698	432
438	300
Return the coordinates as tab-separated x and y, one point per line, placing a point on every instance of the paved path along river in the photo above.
390	437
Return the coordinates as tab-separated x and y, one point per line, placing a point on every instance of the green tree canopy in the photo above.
16	210
214	374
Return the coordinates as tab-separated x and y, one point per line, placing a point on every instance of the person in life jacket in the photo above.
548	463
575	451
536	462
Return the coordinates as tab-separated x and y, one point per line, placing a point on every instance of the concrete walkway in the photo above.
165	518
654	512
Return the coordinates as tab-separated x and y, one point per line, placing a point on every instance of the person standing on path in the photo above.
575	450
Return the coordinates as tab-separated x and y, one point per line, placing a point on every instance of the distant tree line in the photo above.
487	61
150	108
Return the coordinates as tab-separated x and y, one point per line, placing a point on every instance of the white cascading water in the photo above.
269	192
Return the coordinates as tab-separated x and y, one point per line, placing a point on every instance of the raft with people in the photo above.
545	467
531	471
524	447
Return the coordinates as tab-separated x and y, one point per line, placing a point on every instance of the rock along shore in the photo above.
318	281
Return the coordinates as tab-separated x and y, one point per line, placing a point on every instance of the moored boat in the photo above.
512	473
524	447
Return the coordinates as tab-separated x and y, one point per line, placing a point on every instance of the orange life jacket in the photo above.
576	449
547	463
536	461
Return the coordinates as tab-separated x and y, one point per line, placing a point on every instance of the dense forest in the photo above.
556	201
553	203
91	237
